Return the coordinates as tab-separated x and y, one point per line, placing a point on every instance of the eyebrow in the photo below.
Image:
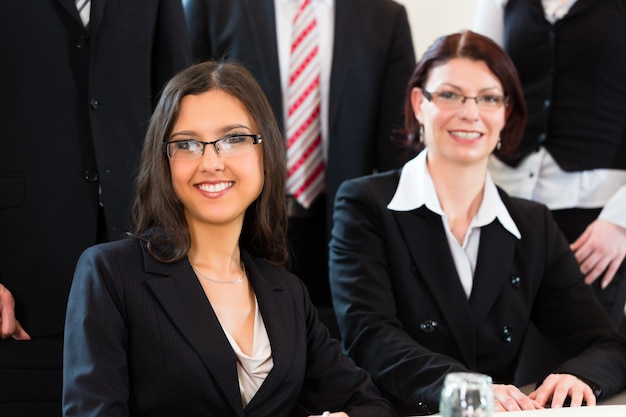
224	130
482	90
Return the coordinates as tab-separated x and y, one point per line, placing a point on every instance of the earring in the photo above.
499	144
421	138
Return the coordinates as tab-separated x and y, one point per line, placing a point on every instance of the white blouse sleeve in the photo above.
614	211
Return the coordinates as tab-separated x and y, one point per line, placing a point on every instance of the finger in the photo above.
537	403
593	269
590	398
582	239
513	399
526	403
576	397
582	253
542	395
558	397
20	333
7	325
509	404
610	273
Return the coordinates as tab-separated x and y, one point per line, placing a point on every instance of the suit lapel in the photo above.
495	257
183	299
425	237
97	12
261	19
274	309
70	7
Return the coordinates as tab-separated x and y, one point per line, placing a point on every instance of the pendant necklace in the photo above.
217	281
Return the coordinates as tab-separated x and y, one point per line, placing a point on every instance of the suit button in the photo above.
546	104
516	281
90	175
94	104
424	408
81	42
507	334
428	326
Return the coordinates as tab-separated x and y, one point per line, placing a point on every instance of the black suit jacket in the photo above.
372	61
74	106
141	339
404	315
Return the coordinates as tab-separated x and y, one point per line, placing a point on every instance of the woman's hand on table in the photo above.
510	398
557	388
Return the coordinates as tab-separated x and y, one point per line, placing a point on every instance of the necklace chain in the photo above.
217	281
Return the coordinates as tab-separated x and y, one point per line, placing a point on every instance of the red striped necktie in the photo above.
305	162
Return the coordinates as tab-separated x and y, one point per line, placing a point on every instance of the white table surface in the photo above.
614	406
601	410
597	411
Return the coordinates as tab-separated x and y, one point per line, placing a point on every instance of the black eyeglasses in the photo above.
450	100
231	145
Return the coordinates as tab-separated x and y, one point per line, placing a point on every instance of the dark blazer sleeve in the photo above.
95	373
361	269
565	309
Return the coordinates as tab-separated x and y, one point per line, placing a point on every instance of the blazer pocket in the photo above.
11	190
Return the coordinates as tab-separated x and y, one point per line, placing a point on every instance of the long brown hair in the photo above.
471	45
158	214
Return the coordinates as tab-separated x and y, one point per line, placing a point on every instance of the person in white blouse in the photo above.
434	269
195	314
571	59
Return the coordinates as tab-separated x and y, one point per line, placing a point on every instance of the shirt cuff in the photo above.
614	211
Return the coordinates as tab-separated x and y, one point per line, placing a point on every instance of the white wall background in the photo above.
430	19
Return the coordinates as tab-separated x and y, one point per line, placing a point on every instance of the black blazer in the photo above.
370	71
141	339
404	315
74	106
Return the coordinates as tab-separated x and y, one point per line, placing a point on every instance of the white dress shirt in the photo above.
285	11
539	177
416	189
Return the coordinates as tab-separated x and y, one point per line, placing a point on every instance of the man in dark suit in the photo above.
74	104
368	55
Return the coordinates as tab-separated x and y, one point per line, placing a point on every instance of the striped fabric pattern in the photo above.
84	9
305	161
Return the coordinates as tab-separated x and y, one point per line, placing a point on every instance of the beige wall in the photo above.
430	19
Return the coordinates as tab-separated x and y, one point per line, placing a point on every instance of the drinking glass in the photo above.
466	394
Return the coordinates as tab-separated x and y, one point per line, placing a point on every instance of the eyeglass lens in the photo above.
454	100
227	146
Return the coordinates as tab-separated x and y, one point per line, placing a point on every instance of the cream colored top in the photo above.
253	369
